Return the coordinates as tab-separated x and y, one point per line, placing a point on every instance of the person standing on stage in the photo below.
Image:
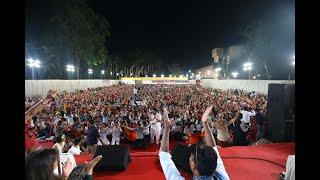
135	93
155	121
92	137
116	132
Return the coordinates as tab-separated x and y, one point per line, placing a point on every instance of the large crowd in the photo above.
126	113
132	114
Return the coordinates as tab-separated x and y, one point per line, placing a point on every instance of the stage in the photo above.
265	163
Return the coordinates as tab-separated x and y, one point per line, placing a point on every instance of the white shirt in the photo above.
146	131
65	156
171	172
158	116
74	150
116	131
135	91
155	125
246	116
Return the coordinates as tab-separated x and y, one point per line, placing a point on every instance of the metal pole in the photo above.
32	72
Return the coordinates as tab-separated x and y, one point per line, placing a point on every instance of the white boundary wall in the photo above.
41	87
259	86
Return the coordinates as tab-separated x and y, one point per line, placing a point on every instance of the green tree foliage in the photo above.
174	69
74	34
84	34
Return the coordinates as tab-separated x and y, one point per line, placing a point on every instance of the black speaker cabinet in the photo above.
280	113
114	158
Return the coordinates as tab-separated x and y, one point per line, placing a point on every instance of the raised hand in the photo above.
67	168
205	115
89	166
166	119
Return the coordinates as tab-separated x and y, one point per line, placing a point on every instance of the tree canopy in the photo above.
75	34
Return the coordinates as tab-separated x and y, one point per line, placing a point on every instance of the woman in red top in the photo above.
30	138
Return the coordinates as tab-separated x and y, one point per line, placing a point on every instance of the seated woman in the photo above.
45	164
60	142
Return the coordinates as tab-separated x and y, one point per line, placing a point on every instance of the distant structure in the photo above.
221	58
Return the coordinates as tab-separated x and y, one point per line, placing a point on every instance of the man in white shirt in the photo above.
245	121
134	95
246	114
116	132
75	149
205	161
155	127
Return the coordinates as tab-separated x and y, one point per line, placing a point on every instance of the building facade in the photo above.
222	58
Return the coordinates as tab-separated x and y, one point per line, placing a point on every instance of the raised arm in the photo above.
209	139
166	129
233	119
131	129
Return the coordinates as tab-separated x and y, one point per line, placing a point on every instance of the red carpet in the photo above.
145	165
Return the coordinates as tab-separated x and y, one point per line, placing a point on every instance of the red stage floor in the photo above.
145	164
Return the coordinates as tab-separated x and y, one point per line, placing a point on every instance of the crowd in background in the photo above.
29	102
132	114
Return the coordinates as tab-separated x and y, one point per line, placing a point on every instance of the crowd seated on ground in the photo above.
80	121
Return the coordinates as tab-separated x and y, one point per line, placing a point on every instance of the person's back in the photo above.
75	149
239	138
260	118
205	161
92	135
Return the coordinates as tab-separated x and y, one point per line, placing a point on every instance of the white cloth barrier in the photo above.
259	86
41	87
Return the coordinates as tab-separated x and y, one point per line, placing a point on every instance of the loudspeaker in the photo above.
114	158
280	113
180	157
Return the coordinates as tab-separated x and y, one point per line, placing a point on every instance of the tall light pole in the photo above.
247	67
217	70
234	74
90	72
293	64
102	73
33	64
70	69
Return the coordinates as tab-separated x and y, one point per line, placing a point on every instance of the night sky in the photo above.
182	32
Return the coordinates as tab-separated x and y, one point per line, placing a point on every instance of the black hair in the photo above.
240	115
205	158
91	121
39	164
34	118
77	141
59	139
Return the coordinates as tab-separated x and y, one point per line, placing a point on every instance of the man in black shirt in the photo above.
240	137
261	124
92	137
